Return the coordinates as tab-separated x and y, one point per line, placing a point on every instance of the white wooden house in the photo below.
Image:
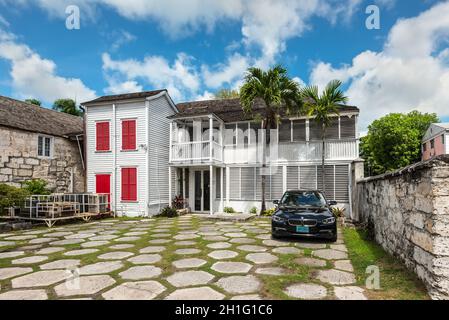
144	150
222	167
127	150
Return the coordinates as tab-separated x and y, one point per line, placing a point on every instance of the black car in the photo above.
304	213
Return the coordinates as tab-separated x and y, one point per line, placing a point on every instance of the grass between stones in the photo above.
396	282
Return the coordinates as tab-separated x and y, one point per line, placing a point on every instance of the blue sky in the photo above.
193	48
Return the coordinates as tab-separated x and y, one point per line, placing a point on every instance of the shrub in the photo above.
178	202
253	210
11	196
338	212
228	210
269	212
36	186
168	212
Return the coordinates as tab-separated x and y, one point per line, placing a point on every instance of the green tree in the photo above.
322	107
67	106
394	141
226	94
34	101
278	93
11	196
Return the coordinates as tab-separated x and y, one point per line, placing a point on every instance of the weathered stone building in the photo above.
408	212
36	142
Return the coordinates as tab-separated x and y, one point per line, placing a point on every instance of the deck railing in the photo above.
290	151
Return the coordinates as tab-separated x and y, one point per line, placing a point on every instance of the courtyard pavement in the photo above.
181	258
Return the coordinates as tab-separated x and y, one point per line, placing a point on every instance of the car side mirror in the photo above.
276	202
332	203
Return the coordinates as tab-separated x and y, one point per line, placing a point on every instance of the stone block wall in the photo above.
19	161
408	212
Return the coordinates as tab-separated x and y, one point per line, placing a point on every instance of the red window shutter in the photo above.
129	184
102	136
129	135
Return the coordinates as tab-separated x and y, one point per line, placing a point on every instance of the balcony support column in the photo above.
171	142
211	137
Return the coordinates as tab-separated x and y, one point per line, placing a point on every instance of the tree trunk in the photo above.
323	155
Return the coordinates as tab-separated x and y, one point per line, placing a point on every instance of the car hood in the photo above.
291	213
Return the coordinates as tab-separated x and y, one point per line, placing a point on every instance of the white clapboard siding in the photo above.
248	179
277	187
234	182
159	132
135	159
97	162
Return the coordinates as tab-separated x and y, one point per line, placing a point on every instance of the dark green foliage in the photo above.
168	212
33	101
36	186
394	141
67	106
11	196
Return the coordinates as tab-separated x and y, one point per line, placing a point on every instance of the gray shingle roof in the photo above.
29	117
125	96
229	110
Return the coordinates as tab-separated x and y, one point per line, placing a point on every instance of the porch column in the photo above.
184	184
221	190
171	141
169	186
227	185
211	137
211	188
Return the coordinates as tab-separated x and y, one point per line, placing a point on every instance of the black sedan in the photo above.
304	213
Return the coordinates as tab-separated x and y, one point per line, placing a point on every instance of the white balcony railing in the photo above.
292	151
196	151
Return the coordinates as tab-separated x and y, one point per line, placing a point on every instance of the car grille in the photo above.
302	222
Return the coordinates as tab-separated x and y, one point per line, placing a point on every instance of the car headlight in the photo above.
278	219
330	220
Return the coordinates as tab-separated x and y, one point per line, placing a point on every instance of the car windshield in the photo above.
303	199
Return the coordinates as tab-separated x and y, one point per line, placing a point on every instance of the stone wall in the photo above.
19	161
408	213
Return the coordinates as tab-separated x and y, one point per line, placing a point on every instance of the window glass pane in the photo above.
314	130
40	146
285	131
47	147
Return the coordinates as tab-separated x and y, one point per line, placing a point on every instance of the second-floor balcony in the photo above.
208	140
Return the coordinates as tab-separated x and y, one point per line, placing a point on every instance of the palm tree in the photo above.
278	93
322	108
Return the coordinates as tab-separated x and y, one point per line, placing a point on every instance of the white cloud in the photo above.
206	95
34	76
3	21
266	24
226	73
117	87
121	38
180	78
412	72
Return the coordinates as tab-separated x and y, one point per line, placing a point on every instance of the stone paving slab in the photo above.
84	285
189	263
306	291
39	279
337	277
100	267
231	267
240	284
189	278
330	254
141	290
349	293
6	273
200	293
60	264
141	272
38	294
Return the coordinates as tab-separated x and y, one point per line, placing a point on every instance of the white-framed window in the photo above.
44	146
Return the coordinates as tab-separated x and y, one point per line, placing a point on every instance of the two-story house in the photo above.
434	142
216	156
144	150
127	150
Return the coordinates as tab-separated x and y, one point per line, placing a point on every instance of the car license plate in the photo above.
302	229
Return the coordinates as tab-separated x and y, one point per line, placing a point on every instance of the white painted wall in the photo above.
150	158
